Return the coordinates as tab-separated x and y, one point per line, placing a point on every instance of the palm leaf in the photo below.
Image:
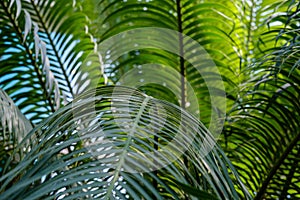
230	32
263	135
263	126
116	143
44	52
234	33
13	129
197	21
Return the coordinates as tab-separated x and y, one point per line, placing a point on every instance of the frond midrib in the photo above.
29	53
53	47
276	166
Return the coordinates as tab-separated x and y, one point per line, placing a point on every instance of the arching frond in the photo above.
264	136
117	143
13	128
236	34
43	49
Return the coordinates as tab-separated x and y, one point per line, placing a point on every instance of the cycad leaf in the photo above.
46	55
12	119
13	128
119	143
264	136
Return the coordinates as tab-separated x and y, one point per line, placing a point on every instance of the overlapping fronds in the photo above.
236	34
117	143
43	46
263	138
13	129
194	23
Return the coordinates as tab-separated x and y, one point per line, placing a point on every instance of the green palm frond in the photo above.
234	33
199	21
12	120
13	129
285	55
264	136
43	47
119	143
254	36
